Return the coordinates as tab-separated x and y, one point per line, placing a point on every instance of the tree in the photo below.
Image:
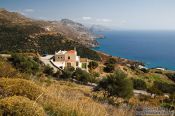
111	61
164	87
93	65
48	70
116	85
171	76
139	84
67	73
83	76
109	68
24	63
144	70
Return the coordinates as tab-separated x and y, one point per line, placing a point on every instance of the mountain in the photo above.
19	33
98	28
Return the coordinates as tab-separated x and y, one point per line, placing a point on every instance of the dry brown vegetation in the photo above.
64	98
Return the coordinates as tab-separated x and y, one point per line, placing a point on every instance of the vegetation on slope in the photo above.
20	106
19	33
60	98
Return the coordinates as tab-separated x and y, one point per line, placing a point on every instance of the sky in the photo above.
118	14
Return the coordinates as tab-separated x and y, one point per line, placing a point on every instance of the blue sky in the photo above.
120	14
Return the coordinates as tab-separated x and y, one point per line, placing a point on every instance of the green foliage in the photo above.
21	87
24	63
67	73
116	85
16	38
171	76
95	74
111	61
48	70
139	84
154	90
109	68
6	69
164	87
110	65
20	106
169	103
144	70
83	76
93	65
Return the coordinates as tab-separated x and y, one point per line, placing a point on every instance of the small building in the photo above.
70	58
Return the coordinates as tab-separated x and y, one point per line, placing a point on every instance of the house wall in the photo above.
59	58
71	55
71	59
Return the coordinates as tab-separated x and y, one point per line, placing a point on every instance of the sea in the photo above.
153	48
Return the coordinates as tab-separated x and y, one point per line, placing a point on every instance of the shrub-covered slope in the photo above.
19	33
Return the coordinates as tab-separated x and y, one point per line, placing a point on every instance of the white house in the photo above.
69	58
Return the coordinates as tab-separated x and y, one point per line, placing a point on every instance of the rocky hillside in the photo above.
68	28
19	33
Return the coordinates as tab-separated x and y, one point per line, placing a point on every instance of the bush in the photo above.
154	90
144	70
164	87
171	76
67	73
116	85
111	61
20	106
93	65
48	70
83	76
109	68
24	63
21	87
6	69
95	74
139	84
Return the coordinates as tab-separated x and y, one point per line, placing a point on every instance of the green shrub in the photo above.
83	76
24	63
67	73
93	65
21	87
144	70
111	61
48	70
164	87
139	84
20	106
171	76
109	68
116	85
6	69
95	74
154	90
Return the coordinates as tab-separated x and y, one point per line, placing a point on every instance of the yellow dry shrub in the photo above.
72	101
20	87
20	106
7	70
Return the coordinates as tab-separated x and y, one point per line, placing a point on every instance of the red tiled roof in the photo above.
71	51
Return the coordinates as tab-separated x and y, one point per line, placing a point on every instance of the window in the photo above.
84	65
77	63
68	57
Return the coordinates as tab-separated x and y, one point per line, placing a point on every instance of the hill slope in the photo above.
19	33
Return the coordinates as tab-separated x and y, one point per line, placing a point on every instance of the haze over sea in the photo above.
154	48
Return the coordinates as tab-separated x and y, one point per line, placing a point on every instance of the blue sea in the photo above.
154	48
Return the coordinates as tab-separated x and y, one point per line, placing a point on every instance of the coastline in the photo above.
139	46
